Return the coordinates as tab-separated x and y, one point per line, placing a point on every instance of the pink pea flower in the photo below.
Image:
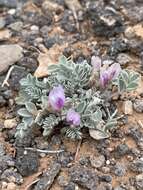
57	98
104	78
114	71
73	117
96	63
109	74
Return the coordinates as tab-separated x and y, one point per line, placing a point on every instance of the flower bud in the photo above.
73	117
57	98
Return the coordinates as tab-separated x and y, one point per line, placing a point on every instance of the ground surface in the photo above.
110	28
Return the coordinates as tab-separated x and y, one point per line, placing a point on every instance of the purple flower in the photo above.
109	74
104	78
57	98
114	71
96	63
73	117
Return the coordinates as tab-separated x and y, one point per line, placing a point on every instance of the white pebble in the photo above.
12	11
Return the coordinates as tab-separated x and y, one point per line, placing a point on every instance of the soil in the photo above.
112	29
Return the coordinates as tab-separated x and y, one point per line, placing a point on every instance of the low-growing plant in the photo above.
74	97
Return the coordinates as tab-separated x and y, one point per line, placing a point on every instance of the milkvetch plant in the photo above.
73	98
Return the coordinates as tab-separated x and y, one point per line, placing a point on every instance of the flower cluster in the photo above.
107	73
57	102
73	95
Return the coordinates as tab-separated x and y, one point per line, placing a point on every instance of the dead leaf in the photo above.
98	135
73	5
138	30
5	34
46	59
52	6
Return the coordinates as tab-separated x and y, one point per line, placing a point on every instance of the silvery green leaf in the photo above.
122	85
41	84
53	68
24	113
44	100
96	100
81	107
33	92
132	86
31	108
89	93
71	132
28	81
28	121
128	81
47	131
97	116
21	100
111	124
98	135
21	130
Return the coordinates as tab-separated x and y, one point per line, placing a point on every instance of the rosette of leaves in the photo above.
80	95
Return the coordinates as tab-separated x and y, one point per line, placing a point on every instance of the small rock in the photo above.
119	170
139	182
104	186
10	123
11	186
138	106
28	62
65	158
106	21
84	161
5	34
119	188
68	22
26	162
137	165
8	3
108	162
62	181
134	13
2	150
2	101
106	178
9	54
48	177
105	169
118	45
97	162
129	32
84	177
16	26
136	134
11	11
2	22
11	176
34	28
8	94
128	107
124	59
51	6
4	185
49	42
71	186
17	74
121	150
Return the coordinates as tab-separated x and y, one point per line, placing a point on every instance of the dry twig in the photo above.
5	82
77	150
44	151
